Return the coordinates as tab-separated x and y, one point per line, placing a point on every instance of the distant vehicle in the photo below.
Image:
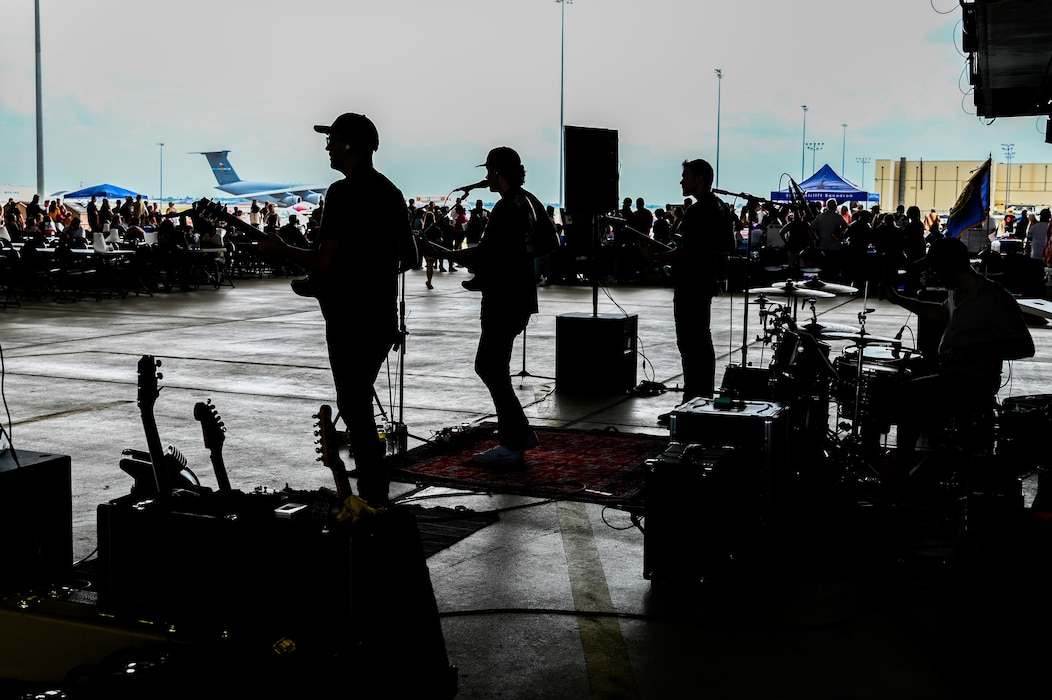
286	195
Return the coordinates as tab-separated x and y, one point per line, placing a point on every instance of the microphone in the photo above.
474	186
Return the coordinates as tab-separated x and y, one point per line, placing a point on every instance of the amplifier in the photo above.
696	521
36	517
595	353
225	561
259	566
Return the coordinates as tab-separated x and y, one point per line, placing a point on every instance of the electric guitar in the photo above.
214	434
147	397
328	448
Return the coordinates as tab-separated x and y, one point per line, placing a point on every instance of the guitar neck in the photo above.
148	391
217	213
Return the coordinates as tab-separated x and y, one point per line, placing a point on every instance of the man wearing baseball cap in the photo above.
354	272
519	230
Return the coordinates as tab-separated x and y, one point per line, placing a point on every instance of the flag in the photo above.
973	204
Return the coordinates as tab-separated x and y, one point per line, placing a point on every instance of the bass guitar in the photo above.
328	448
214	434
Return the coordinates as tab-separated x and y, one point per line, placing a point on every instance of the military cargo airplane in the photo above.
283	194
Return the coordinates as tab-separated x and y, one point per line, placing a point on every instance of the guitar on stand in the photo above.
214	434
157	471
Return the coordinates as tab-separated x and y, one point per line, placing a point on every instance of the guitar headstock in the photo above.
148	378
328	444
211	424
216	214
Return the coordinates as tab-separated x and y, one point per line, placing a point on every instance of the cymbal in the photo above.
862	338
824	328
791	292
815	283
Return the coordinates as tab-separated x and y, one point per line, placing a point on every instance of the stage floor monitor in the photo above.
595	353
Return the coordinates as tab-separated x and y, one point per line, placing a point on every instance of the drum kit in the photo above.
864	381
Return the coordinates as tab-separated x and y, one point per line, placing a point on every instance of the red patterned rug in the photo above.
594	466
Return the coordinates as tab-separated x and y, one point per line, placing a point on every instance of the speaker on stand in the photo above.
595	352
591	179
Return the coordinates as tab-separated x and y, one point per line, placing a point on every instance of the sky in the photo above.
446	81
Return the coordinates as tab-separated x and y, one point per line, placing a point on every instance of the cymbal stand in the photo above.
855	438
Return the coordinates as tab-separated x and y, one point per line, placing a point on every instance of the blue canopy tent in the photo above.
826	184
108	191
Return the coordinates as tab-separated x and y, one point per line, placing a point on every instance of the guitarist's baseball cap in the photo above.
356	128
503	159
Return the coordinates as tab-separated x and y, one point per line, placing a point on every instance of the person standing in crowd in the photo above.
519	230
1038	233
355	270
477	224
93	215
644	218
105	214
829	228
1022	224
34	210
707	238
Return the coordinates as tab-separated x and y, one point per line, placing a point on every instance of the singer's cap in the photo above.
502	158
356	128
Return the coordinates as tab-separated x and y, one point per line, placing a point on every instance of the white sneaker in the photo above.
498	456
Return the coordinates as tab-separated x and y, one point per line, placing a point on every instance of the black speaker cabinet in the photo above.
595	353
591	171
698	513
234	563
36	518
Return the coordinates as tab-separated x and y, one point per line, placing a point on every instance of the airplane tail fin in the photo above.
221	167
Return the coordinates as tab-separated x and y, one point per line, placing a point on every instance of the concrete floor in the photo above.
549	602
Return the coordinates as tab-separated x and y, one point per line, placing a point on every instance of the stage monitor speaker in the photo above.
595	353
591	172
36	517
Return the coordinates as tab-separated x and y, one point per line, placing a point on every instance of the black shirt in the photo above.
707	235
366	213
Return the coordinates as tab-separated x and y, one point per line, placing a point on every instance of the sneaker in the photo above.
663	419
471	285
531	441
498	456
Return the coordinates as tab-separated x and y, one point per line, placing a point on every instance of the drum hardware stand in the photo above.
855	438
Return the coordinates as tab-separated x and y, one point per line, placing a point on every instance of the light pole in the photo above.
562	92
814	147
843	152
40	107
719	91
160	184
862	179
803	144
1009	149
